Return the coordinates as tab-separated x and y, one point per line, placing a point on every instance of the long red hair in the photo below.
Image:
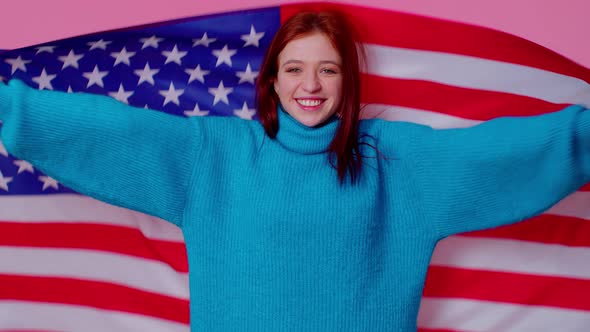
343	151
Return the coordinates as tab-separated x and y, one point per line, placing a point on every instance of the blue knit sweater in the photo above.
274	241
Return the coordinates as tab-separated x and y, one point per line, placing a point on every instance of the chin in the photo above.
313	122
307	123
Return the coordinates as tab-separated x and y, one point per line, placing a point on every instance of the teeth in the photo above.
308	102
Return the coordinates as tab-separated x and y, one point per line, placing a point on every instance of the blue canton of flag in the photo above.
187	68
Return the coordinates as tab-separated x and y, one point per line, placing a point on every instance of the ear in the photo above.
275	86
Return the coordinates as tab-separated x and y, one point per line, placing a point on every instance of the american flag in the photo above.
71	263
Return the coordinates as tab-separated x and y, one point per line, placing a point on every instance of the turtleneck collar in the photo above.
300	138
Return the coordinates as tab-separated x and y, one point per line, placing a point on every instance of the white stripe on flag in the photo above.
73	208
155	276
480	316
467	71
576	205
513	256
21	316
424	117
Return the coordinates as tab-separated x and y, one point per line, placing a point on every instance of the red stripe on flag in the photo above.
461	102
93	294
508	287
416	32
546	228
123	240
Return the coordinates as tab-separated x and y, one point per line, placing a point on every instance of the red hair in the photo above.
343	151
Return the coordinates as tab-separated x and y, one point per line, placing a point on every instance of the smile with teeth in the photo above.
309	102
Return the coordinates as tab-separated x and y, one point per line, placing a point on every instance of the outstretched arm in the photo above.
135	158
504	170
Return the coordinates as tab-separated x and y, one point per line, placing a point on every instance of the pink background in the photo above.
564	29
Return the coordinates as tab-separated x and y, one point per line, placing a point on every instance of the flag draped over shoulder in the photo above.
68	262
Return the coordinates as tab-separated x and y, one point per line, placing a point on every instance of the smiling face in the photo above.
309	79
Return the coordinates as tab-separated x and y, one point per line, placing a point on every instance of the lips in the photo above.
309	103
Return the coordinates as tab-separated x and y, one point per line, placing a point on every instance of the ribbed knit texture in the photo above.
274	241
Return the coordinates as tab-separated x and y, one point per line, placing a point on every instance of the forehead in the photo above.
315	47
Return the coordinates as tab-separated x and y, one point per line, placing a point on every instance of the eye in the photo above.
329	71
293	70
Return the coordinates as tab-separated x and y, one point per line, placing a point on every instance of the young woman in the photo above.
314	221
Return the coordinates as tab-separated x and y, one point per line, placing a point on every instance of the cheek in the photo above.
336	89
280	90
284	89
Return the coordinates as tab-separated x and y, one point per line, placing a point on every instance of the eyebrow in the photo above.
323	62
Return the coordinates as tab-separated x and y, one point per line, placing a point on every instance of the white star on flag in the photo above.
245	113
121	95
171	95
150	42
48	49
70	60
17	64
70	89
95	77
248	75
224	55
220	93
102	44
123	57
4	181
253	38
197	74
146	74
174	56
196	111
24	166
48	182
203	41
44	80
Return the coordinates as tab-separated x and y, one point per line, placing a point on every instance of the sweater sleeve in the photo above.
504	170
131	157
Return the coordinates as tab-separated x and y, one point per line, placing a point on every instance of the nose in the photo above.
311	82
